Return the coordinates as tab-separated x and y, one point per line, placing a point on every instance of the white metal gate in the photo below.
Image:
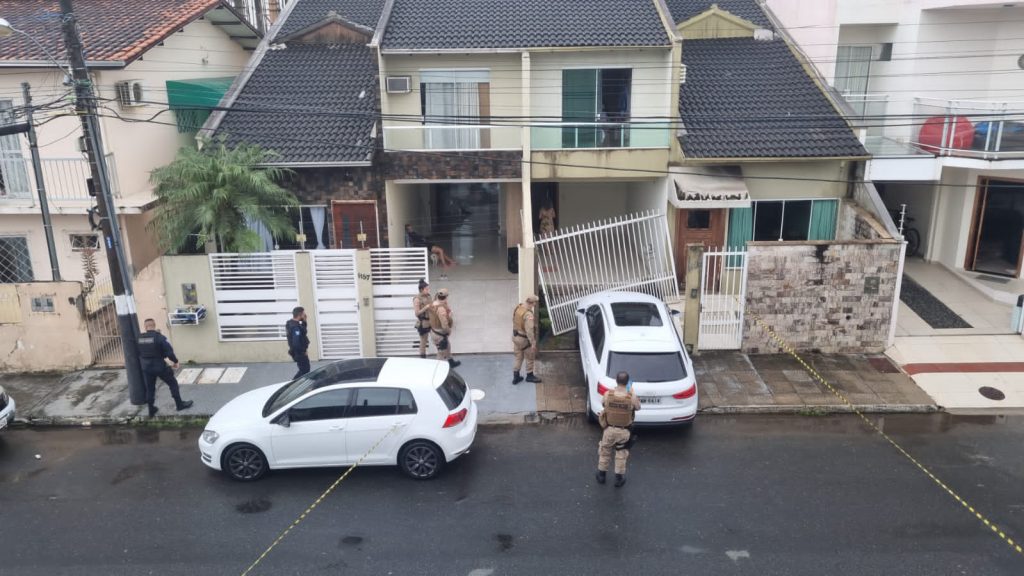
396	275
254	294
723	292
337	303
631	252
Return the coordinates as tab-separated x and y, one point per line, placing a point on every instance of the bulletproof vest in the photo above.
519	318
149	347
435	319
619	409
422	302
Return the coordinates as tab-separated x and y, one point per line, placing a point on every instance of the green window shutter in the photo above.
823	220
579	104
741	228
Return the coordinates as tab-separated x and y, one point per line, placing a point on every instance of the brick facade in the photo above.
829	297
483	165
322	185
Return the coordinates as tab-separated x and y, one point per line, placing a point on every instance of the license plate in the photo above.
650	399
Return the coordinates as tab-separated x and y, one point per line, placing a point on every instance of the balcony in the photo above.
578	135
969	128
452	137
65	180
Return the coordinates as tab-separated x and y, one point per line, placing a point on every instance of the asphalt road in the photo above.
736	495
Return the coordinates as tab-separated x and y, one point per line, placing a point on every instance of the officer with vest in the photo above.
420	308
298	341
441	324
620	405
153	350
524	339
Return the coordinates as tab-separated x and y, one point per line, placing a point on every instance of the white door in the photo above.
315	435
373	414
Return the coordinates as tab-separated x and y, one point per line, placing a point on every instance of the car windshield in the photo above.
360	370
647	366
452	390
636	314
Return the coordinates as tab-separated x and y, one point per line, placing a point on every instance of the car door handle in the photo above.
338	427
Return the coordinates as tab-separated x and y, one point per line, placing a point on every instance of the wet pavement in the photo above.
734	495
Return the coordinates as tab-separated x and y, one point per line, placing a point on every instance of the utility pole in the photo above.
37	167
124	299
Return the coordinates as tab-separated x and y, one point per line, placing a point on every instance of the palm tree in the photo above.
212	194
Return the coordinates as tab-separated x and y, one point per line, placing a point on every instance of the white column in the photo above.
526	257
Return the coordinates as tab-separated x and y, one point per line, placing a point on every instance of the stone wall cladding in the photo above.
483	165
319	186
821	296
856	223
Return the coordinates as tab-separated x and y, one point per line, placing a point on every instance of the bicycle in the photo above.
910	234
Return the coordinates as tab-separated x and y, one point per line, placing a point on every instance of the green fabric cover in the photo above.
193	100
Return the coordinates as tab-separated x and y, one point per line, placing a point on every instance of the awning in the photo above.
708	187
193	100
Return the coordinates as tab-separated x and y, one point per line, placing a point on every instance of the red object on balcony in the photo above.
958	130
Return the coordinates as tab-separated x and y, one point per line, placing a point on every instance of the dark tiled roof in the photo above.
683	10
745	98
306	13
304	102
112	30
468	24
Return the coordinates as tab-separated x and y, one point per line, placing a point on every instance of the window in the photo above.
595	324
853	69
452	391
13	172
329	405
596	103
15	261
82	242
311	221
783	220
636	314
647	367
358	370
406	403
450	98
375	402
698	219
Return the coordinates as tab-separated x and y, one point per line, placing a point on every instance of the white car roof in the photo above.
413	373
634	338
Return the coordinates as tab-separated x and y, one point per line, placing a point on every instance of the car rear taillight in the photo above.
455	418
602	389
688	393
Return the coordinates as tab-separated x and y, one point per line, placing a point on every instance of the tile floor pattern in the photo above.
985	315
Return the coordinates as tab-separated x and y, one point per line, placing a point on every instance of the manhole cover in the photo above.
991	393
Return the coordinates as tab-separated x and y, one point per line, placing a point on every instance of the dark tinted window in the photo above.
698	219
359	370
636	314
647	367
452	390
375	402
595	323
406	403
327	405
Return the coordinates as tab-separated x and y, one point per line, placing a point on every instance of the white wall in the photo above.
811	179
583	202
69	262
647	195
956	200
407	203
920	199
812	24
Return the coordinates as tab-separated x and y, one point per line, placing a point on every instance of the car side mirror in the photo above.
283	420
676	312
582	311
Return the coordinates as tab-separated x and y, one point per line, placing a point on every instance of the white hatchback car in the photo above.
636	333
7	409
418	414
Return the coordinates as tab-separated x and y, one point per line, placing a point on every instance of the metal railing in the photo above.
576	135
452	137
65	179
969	128
101	320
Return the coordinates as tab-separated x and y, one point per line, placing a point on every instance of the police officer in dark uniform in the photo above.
298	341
153	350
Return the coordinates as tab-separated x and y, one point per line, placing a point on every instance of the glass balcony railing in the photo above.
969	128
577	135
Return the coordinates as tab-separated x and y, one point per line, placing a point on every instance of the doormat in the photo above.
928	307
992	279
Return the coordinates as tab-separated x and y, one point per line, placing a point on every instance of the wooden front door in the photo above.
697	226
352	218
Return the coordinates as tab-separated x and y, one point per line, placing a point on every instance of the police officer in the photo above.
620	405
153	349
441	324
524	339
298	341
420	306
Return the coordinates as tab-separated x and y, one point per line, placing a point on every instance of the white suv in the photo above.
7	409
636	333
418	414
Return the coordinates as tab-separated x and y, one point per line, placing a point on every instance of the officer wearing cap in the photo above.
441	324
153	350
420	306
620	405
524	339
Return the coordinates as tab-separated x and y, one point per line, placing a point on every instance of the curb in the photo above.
823	409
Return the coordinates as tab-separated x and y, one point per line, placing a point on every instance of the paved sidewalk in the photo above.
728	382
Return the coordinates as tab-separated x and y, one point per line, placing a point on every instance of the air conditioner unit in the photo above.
399	84
130	93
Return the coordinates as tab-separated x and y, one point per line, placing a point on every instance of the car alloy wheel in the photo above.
421	460
245	463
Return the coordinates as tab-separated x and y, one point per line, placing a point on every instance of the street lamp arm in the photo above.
6	29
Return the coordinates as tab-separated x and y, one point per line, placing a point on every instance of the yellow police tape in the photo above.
789	350
318	501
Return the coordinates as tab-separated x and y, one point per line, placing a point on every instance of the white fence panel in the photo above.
723	293
396	274
627	253
254	294
337	304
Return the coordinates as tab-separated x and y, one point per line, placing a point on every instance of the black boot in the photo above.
183	404
531	378
516	378
424	356
620	479
153	410
601	474
453	362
